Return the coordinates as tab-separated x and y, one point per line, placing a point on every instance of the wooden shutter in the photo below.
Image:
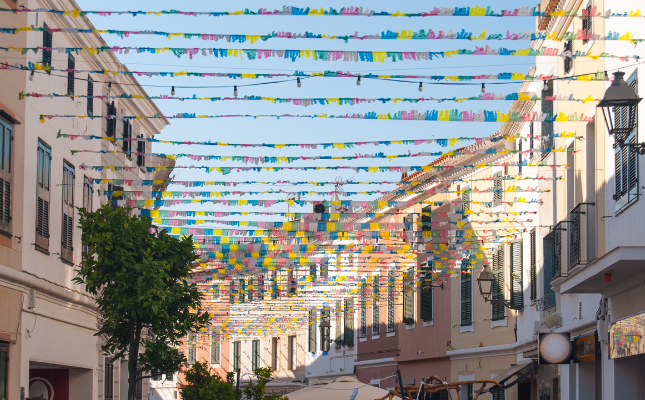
466	298
498	285
141	149
349	323
90	96
127	144
42	192
587	24
363	326
255	354
215	350
339	313
108	380
548	248
426	294
67	223
408	296
47	43
465	204
71	65
111	122
426	220
498	187
390	301
534	265
376	306
6	176
517	276
4	371
312	331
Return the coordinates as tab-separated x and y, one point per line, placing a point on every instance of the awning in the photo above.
526	367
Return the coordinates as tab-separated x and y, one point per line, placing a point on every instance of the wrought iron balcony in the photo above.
546	301
582	234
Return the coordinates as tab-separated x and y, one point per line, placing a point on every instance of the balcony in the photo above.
581	235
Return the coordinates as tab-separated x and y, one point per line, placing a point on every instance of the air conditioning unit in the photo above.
553	320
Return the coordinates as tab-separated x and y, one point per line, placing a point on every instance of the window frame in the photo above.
408	297
293	352
43	195
498	311
67	212
363	316
90	96
427	293
237	355
465	291
4	370
255	354
216	351
391	309
108	379
348	333
517	275
48	40
376	306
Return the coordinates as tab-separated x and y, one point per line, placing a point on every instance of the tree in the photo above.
201	385
139	276
256	391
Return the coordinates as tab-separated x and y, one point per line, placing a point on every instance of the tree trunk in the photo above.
133	357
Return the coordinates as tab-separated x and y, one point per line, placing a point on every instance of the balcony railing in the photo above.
582	234
546	301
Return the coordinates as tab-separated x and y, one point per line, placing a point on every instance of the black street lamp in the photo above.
325	327
619	109
485	282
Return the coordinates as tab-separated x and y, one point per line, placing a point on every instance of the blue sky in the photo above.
311	130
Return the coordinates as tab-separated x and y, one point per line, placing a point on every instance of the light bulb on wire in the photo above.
420	87
31	77
172	92
483	88
235	90
358	81
299	83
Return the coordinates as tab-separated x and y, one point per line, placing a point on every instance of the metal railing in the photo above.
582	234
546	301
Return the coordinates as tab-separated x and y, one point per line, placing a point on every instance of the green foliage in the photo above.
201	385
139	276
255	390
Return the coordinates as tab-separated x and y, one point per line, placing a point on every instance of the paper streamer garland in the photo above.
339	101
598	76
474	11
448	142
328	55
407	34
286	159
412	115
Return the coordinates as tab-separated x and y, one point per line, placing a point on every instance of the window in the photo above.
215	349
363	326
534	265
141	149
250	289
237	354
568	61
339	321
274	286
520	157
426	220
390	300
312	331
376	307
241	291
126	146
293	352
111	122
312	272
498	189
192	348
466	296
501	395
255	354
465	204
498	312
4	370
531	139
108	380
324	271
292	282
47	44
6	176
70	74
349	323
275	353
626	160
548	247
408	220
426	292
517	275
231	294
67	223
90	96
587	24
408	296
43	171
547	108
117	194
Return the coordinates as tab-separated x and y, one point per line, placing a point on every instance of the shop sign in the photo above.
626	336
585	348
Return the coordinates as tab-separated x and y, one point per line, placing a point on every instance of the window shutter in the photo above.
339	321
376	307
215	350
125	146
42	193
111	122
67	239
47	43
465	203
632	170
533	265
349	323
6	153
408	297
312	331
517	278
498	187
466	298
71	65
498	311
90	96
363	326
549	256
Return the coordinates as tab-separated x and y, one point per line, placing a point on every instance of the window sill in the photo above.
410	326
65	261
428	323
363	339
390	334
6	234
626	206
374	337
498	323
467	328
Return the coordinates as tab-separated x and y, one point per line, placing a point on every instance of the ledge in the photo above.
492	351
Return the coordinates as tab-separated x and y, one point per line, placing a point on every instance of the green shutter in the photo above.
312	331
517	278
466	297
534	265
426	294
4	370
498	285
408	297
349	323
